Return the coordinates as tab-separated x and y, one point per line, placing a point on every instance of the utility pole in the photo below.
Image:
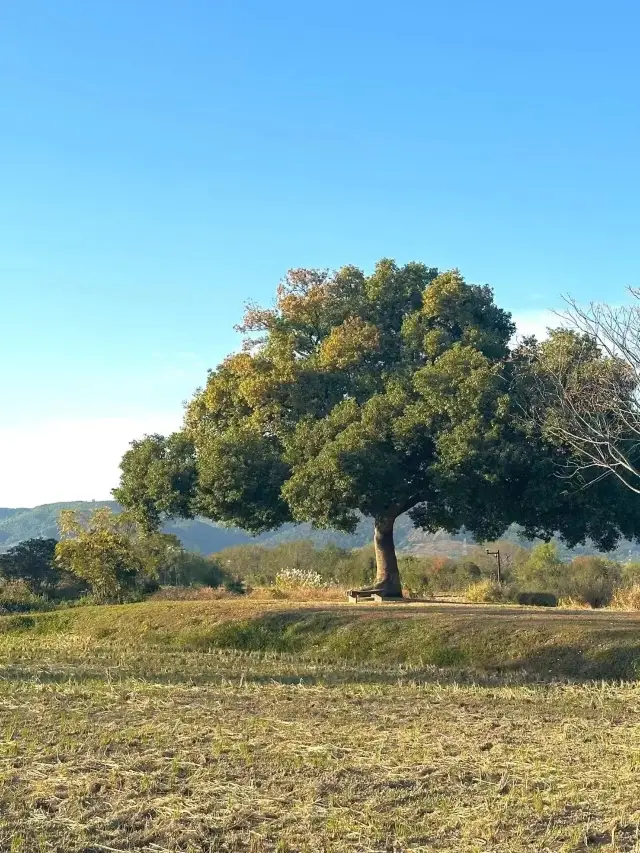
496	554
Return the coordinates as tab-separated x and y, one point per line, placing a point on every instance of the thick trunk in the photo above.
387	573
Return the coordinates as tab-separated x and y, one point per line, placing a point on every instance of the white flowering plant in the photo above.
299	579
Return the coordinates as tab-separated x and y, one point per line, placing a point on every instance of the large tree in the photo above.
373	396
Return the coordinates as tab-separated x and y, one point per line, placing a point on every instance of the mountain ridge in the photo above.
207	537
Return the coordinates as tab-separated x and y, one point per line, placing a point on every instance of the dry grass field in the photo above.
233	726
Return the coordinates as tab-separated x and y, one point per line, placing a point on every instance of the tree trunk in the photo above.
387	573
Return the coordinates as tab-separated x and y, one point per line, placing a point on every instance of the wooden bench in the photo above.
353	597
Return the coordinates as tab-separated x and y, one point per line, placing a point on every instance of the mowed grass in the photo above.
191	727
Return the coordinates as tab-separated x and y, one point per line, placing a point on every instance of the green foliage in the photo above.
188	569
234	586
259	565
589	579
592	580
99	551
19	597
544	571
428	575
166	468
33	563
113	553
153	551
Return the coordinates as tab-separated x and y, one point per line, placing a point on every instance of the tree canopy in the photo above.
368	395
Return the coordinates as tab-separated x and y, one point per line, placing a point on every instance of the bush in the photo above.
626	598
427	575
274	593
592	580
630	574
543	571
190	593
299	579
485	592
258	565
271	593
537	599
33	563
586	579
513	556
234	587
17	597
189	569
569	603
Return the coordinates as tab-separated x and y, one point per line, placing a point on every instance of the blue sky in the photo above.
161	163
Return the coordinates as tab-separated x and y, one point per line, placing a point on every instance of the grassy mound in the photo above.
544	644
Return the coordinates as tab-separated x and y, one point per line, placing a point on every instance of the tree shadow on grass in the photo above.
604	663
280	631
596	648
329	677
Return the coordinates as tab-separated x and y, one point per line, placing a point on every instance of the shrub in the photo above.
299	579
570	603
587	579
543	571
537	599
485	592
626	598
427	575
17	597
103	560
631	574
513	556
270	593
325	593
592	580
258	565
189	569
33	563
190	593
234	586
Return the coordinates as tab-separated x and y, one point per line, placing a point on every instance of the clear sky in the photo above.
161	162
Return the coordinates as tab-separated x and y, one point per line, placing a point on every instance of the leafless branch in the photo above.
590	399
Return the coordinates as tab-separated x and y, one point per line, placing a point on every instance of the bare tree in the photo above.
590	400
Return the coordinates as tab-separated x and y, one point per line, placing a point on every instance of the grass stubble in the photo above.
110	743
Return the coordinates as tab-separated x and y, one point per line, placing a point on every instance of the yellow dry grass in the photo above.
113	737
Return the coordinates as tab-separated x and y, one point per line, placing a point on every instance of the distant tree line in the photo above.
108	556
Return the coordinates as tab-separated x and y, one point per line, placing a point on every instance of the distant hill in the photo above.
208	538
42	521
7	513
